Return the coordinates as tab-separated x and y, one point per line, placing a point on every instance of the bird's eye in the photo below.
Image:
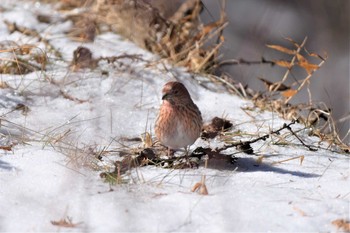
176	92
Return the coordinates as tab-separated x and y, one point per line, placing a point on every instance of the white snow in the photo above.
48	175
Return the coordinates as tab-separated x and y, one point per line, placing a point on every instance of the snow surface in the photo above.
43	181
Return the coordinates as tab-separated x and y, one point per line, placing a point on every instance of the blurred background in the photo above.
255	23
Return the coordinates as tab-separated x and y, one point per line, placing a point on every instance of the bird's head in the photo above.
176	93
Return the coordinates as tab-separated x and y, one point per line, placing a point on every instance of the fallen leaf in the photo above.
342	224
66	222
7	148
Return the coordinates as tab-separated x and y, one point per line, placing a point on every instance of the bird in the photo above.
179	122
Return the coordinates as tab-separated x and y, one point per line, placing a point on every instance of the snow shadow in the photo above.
1	224
251	165
5	166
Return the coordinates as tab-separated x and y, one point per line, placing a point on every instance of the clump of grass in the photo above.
278	97
180	38
13	27
21	59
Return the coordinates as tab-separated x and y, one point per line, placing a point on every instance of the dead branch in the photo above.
242	61
246	145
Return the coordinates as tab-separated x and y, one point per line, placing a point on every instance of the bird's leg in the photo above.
186	151
170	152
187	159
191	164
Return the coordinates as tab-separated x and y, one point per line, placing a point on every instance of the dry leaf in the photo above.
66	222
311	54
309	67
272	86
289	93
283	63
281	49
7	148
301	58
304	63
316	55
342	224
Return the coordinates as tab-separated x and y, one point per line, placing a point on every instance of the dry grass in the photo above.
180	38
21	59
66	222
317	117
184	41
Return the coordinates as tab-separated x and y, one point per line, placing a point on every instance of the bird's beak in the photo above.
165	96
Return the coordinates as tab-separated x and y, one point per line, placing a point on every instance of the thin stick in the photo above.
301	157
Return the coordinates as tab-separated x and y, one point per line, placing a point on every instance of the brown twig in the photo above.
242	61
245	146
113	59
301	141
